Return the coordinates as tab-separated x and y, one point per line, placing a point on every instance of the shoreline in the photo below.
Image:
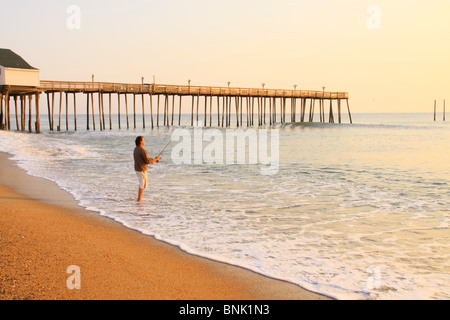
44	231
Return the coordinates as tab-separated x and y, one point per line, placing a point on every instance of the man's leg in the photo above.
141	192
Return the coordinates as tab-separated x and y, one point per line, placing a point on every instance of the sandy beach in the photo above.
43	232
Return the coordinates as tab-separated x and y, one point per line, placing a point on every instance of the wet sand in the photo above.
43	232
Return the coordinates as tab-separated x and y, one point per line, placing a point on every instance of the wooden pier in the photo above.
213	106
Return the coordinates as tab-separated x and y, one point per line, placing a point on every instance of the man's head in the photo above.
140	141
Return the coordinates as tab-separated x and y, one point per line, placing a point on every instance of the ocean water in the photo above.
356	211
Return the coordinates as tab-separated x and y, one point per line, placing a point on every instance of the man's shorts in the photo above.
143	182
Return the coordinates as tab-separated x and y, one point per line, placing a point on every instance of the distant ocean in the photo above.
356	211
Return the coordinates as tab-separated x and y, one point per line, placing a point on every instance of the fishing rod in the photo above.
159	155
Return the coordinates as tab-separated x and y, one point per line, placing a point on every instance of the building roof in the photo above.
9	59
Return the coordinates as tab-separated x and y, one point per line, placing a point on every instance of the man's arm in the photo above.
152	160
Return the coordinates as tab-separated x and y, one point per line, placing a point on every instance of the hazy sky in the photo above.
394	58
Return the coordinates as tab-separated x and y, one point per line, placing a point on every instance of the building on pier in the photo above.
18	80
15	71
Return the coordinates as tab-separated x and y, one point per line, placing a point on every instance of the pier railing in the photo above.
108	87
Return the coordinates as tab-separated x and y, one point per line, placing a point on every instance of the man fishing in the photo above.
141	162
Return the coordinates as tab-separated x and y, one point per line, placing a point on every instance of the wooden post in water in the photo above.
143	110
87	112
236	103
93	110
3	124
157	112
134	109
224	110
8	110
301	109
118	109
240	110
30	126
165	107
75	111
250	110
21	114
323	110
167	111
53	111
198	102
434	110
281	110
60	109
247	104
218	111
206	112
27	112
173	108
179	114
151	109
349	114
17	114
126	110
24	112
5	112
444	112
100	111
166	100
339	110
210	109
192	112
1	111
230	102
38	117
19	120
6	124
274	110
331	115
270	112
320	110
259	111
302	117
110	117
264	110
103	110
293	111
67	110
23	103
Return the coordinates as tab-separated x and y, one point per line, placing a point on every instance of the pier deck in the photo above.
270	104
